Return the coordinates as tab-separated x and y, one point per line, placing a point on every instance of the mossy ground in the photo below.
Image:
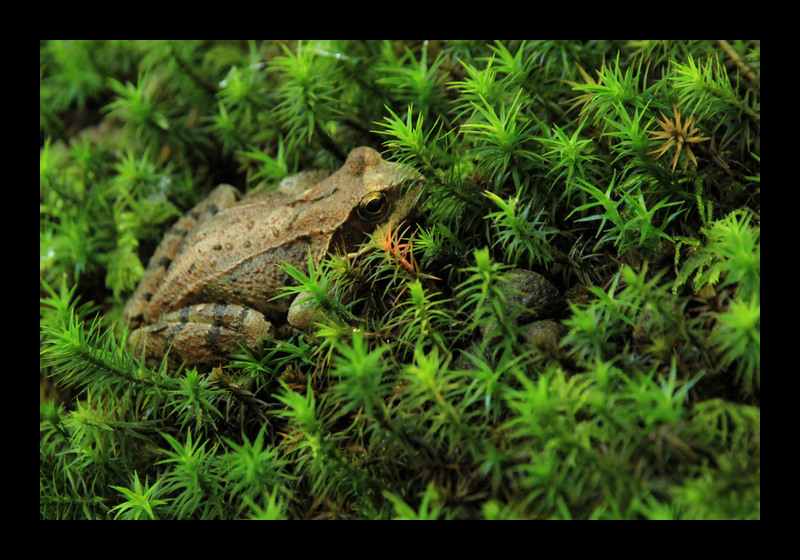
627	173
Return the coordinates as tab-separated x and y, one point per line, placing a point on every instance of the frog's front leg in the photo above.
202	334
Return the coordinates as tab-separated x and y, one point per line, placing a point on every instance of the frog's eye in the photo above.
374	207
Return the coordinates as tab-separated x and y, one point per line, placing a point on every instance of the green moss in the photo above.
418	395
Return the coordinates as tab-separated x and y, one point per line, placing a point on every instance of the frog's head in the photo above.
384	194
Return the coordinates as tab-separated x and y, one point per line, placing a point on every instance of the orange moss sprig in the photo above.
403	253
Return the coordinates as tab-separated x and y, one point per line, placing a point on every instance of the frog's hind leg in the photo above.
203	334
220	198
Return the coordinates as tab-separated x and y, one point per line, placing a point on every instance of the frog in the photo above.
211	285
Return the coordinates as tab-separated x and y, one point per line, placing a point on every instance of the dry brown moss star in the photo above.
677	134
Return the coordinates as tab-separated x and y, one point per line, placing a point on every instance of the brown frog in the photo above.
211	282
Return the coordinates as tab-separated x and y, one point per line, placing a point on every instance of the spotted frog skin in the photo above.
210	284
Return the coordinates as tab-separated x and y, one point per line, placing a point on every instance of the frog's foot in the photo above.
202	334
